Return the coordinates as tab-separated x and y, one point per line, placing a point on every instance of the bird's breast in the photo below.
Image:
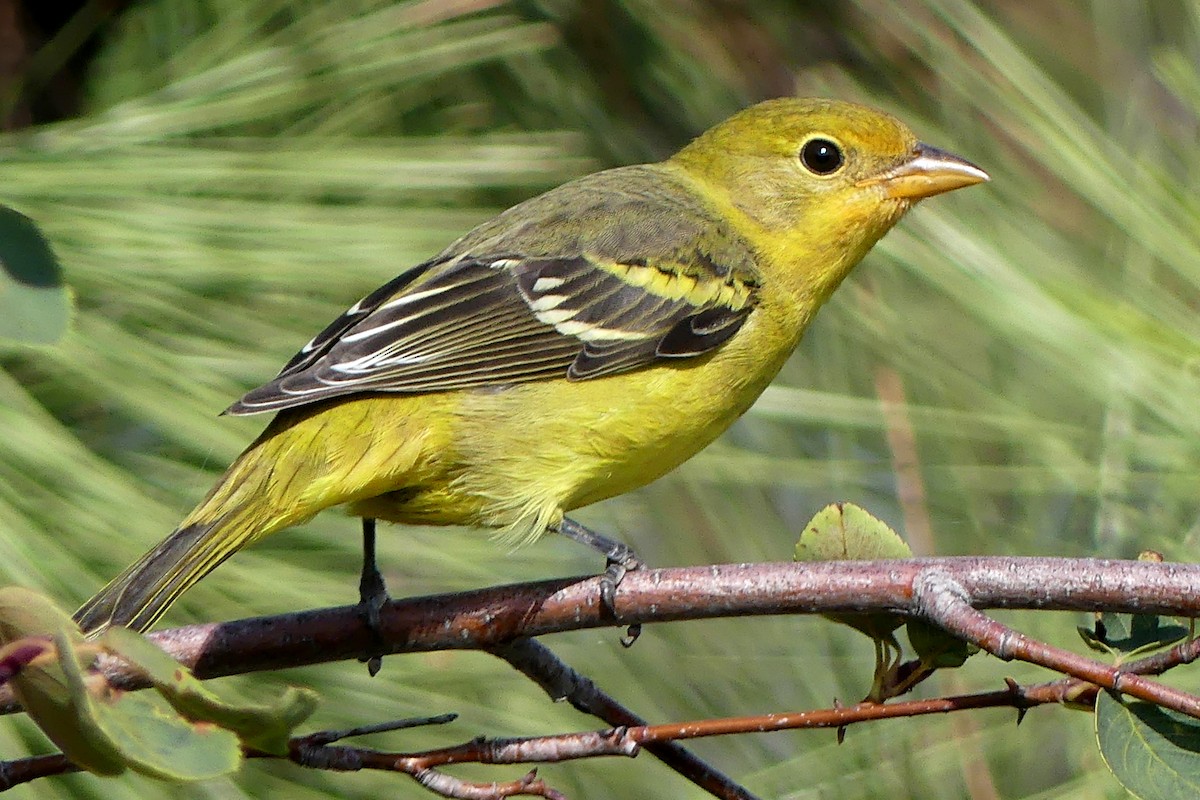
565	444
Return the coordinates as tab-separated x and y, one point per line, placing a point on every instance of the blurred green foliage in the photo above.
245	170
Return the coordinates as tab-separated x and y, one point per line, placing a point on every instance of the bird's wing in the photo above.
486	322
606	274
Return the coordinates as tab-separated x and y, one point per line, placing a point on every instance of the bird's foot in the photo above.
372	596
371	602
620	559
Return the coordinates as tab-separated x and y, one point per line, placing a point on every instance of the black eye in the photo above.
821	156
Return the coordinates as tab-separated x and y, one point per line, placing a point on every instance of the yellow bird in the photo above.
575	347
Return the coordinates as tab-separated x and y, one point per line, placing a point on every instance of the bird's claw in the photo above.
621	560
372	594
614	573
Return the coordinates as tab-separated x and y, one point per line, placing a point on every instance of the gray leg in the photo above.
620	557
372	592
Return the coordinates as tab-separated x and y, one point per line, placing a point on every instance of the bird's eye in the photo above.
821	156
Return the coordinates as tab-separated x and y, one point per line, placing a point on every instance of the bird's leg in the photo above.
372	592
620	557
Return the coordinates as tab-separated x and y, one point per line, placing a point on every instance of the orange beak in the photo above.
927	172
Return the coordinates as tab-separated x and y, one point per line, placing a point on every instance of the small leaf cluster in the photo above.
180	732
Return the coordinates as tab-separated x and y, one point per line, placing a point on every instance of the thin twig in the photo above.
308	751
944	603
329	737
561	682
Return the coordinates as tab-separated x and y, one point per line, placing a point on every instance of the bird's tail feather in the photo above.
142	593
296	468
249	503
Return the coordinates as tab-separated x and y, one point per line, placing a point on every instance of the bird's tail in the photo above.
302	463
142	593
248	503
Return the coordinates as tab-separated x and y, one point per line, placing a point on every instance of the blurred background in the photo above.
1014	370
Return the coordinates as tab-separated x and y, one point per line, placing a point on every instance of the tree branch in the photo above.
942	601
313	750
485	618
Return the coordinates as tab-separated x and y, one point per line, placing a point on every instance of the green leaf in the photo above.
1125	635
35	307
1149	633
24	612
265	727
101	731
1093	638
51	686
1153	752
846	532
936	648
53	693
153	739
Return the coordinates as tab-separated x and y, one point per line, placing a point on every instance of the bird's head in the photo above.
822	170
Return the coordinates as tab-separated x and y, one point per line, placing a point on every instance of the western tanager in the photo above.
575	347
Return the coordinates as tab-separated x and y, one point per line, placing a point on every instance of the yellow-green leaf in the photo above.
153	739
99	730
265	727
24	612
54	695
846	532
51	687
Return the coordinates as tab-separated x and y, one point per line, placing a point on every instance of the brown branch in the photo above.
316	750
23	770
945	603
1077	692
561	682
485	618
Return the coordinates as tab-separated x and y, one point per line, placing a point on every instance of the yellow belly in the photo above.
521	456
